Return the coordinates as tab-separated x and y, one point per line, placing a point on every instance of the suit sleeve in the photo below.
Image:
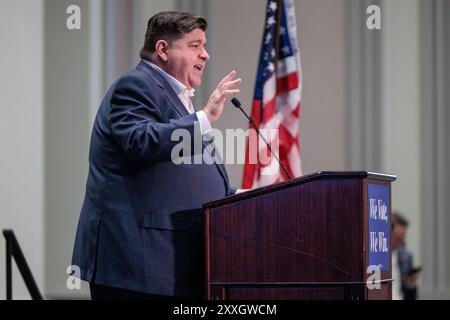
137	126
232	190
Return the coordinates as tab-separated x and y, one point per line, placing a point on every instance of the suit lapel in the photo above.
219	165
176	102
165	85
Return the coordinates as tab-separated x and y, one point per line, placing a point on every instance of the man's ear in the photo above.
161	48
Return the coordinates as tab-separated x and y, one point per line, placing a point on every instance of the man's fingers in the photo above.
227	78
233	83
225	94
223	90
229	93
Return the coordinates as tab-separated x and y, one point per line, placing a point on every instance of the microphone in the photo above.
238	105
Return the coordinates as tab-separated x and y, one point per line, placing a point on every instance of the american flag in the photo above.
277	99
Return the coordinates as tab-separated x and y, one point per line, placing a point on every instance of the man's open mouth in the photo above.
199	67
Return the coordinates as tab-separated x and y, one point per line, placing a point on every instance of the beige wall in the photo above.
324	42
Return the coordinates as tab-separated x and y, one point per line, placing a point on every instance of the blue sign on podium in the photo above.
379	226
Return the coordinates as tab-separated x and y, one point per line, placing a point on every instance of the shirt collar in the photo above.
176	85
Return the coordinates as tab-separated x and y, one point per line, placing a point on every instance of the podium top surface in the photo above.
301	180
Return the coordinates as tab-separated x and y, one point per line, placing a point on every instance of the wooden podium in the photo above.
321	236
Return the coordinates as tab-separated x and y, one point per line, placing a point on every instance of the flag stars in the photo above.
271	67
286	50
270	21
273	6
282	31
268	38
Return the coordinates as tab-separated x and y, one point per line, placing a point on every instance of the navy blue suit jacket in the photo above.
141	224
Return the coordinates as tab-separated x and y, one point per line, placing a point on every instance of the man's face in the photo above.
186	58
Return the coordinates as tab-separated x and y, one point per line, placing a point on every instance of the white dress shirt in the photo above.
184	94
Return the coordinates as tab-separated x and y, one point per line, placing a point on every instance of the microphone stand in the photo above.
251	121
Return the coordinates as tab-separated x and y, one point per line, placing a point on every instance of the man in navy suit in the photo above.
140	232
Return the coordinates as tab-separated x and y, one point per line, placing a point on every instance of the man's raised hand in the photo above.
214	107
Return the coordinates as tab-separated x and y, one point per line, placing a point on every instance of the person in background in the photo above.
405	285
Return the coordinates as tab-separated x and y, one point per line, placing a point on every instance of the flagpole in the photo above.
277	36
277	56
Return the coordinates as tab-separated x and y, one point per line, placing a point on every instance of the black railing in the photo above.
13	251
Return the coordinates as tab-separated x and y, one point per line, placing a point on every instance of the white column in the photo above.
96	61
401	112
21	137
67	129
435	148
